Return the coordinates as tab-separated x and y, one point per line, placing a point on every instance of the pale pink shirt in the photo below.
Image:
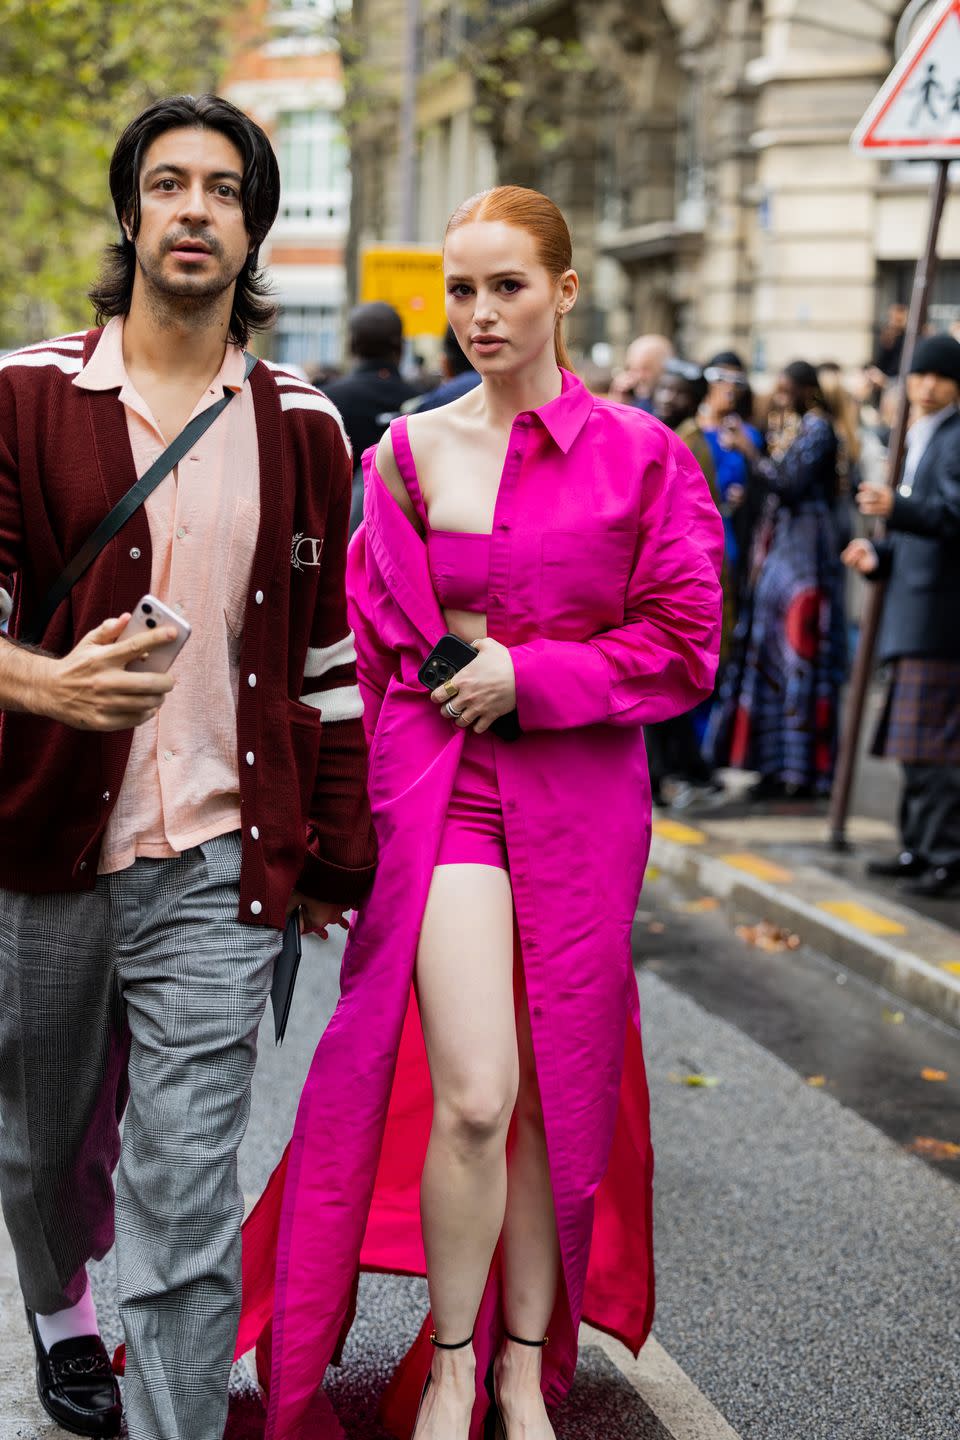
181	785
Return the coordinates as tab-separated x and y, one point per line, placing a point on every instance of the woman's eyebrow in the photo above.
517	273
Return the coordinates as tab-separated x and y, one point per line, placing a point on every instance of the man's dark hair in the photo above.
259	198
453	353
376	332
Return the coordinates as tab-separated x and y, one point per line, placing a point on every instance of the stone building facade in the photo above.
699	148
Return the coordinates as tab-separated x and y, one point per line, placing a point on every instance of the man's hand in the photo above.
89	689
875	500
482	690
861	556
317	915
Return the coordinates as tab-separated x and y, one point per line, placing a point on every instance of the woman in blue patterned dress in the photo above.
779	700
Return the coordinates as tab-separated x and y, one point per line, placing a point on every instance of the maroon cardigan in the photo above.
65	459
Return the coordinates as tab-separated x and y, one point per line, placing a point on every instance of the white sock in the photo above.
79	1319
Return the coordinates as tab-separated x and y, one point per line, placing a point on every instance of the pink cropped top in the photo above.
459	560
460	569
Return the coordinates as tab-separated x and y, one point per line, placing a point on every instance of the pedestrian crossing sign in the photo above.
917	111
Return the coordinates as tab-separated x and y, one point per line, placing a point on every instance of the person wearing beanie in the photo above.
919	557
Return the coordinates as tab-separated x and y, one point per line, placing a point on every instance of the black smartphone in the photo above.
449	655
285	975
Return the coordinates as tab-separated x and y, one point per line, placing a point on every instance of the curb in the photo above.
898	965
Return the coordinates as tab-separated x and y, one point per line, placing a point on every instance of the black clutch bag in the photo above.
285	975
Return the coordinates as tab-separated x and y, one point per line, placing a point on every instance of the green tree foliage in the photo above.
72	73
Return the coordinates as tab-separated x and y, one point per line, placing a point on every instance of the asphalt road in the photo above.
807	1260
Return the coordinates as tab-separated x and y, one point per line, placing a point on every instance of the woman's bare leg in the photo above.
531	1255
465	992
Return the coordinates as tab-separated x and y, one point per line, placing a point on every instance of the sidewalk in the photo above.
775	863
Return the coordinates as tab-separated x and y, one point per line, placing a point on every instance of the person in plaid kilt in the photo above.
920	637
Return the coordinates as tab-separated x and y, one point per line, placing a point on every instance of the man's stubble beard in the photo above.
192	303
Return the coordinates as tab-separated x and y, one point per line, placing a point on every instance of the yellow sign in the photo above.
411	280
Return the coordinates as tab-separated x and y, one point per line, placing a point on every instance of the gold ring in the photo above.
450	690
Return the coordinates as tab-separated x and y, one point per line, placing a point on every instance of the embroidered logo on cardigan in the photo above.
305	552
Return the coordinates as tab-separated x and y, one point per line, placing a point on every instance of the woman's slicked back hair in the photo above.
530	211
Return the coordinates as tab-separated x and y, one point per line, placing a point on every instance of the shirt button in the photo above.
249	757
254	832
181	531
168	754
135	553
255	907
251	681
259	597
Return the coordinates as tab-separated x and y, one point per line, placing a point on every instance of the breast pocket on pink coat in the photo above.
583	581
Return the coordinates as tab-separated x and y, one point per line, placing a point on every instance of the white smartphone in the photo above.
148	615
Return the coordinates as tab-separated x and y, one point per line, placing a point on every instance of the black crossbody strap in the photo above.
129	505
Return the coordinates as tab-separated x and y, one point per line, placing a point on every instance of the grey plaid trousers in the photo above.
148	987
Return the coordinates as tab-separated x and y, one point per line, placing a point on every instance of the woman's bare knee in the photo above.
475	1117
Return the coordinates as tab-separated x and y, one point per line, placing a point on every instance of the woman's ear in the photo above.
569	290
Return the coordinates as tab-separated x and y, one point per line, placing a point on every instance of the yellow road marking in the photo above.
864	919
758	867
952	967
683	834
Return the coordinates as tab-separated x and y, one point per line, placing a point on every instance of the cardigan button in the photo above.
906	490
251	681
255	907
135	553
254	832
249	757
259	597
83	865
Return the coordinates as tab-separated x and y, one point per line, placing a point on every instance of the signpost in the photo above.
411	280
915	115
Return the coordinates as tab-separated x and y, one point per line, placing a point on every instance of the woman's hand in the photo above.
861	556
482	691
875	500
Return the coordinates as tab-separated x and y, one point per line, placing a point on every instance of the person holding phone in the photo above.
161	812
477	1108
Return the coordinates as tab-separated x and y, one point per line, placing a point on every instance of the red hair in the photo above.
530	211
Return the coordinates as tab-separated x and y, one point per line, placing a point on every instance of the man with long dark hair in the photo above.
155	828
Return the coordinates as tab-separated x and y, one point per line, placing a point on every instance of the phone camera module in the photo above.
151	624
147	609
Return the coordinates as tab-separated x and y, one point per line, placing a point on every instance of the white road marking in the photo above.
682	1409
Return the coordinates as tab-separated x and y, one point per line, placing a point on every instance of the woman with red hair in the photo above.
477	1108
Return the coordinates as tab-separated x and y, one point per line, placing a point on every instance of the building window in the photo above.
308	335
314	177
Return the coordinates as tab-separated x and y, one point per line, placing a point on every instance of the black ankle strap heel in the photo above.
460	1345
530	1344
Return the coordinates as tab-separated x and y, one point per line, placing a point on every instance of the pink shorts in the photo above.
473	830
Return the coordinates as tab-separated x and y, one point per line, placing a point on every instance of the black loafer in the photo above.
899	867
935	882
76	1384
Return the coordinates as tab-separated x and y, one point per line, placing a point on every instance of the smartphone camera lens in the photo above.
147	609
151	624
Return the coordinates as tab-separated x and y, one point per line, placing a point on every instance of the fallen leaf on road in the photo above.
698	1082
697	907
934	1149
656	927
817	1081
893	1017
927	1074
769	937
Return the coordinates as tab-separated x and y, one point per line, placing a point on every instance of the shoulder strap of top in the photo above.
407	466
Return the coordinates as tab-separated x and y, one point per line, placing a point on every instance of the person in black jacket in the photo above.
920	633
375	389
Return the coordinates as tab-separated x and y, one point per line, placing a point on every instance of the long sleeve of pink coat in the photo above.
662	661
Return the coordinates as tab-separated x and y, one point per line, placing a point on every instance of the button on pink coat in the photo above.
604	569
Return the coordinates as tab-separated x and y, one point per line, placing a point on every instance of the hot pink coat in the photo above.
604	568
